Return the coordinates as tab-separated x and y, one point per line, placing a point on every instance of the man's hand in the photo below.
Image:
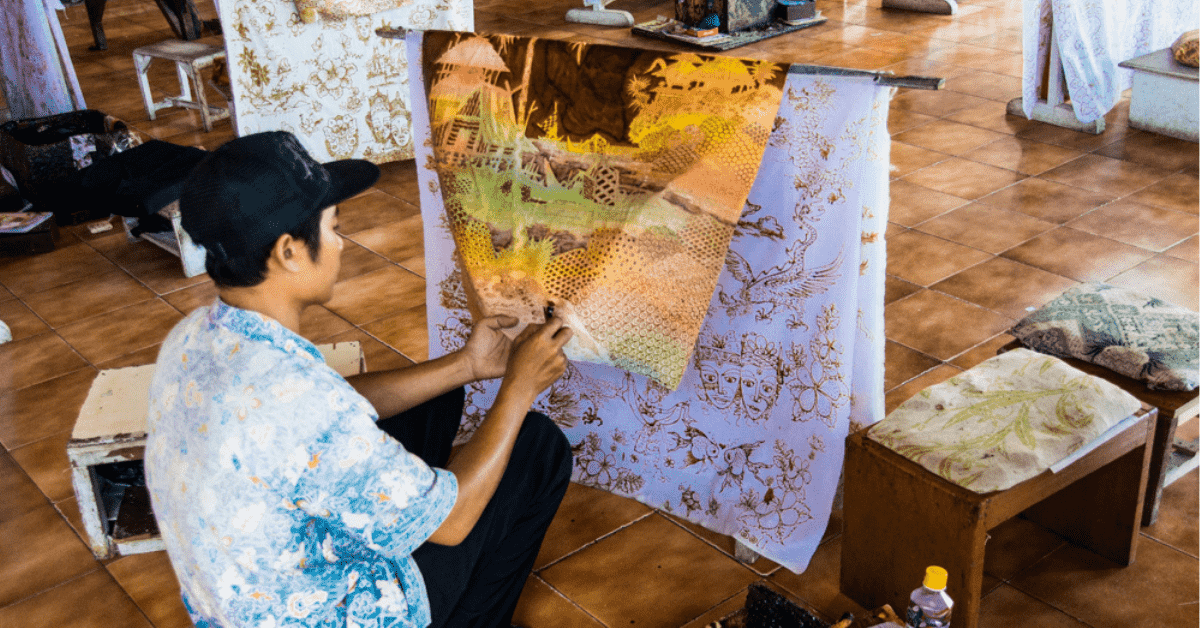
537	359
488	348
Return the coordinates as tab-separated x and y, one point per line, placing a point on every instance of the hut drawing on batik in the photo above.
605	181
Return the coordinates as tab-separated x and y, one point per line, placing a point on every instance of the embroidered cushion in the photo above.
1132	334
1004	421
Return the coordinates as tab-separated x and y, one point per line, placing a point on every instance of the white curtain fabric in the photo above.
790	356
1093	37
342	89
37	77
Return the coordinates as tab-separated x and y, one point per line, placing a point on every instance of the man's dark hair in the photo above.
250	270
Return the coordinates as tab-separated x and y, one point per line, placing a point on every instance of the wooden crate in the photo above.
111	428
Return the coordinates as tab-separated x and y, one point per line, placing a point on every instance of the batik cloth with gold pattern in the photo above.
790	351
279	500
337	85
1092	37
1004	421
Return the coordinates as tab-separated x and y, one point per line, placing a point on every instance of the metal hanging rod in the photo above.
883	78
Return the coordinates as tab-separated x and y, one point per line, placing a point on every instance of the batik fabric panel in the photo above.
337	85
1093	37
1127	332
790	354
1004	421
592	177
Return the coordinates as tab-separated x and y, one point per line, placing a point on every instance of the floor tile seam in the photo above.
714	606
87	363
1169	546
917	227
157	297
99	567
672	519
37	440
593	542
1047	602
568	598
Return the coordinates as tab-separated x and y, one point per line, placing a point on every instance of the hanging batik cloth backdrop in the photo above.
790	354
333	82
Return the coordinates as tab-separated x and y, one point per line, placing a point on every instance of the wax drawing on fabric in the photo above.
790	352
604	180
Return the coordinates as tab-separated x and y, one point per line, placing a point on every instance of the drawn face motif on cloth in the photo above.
759	385
759	377
719	379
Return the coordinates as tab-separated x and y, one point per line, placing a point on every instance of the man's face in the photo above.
329	261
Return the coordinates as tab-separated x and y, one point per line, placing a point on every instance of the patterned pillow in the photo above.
1132	334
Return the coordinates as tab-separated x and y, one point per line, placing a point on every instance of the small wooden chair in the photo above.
190	57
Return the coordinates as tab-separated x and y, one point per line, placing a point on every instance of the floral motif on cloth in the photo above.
1093	36
590	177
1003	421
334	83
1138	336
279	500
790	353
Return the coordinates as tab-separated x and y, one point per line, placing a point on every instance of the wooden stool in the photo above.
190	57
111	428
900	518
1169	460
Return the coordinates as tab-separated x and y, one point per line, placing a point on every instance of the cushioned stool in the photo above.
900	516
190	57
1146	346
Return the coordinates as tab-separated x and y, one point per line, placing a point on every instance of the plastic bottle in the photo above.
930	606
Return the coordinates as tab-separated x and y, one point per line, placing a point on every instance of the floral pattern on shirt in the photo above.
279	500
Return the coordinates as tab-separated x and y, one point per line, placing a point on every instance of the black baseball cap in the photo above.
253	189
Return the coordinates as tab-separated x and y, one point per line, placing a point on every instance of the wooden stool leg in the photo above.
1102	511
141	64
896	523
185	86
1160	453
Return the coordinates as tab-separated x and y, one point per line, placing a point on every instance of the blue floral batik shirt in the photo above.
279	500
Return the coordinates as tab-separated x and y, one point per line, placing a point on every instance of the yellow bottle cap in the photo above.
935	578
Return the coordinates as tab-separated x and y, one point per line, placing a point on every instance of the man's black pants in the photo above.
478	582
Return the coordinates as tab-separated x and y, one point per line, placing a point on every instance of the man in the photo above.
279	498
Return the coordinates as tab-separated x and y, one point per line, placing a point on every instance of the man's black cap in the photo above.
253	189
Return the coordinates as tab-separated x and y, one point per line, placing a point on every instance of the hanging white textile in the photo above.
790	356
1093	36
334	83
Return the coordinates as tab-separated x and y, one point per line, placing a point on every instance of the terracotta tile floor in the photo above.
992	215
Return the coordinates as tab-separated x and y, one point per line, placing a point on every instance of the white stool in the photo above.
190	57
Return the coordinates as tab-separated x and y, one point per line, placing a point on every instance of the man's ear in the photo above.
285	253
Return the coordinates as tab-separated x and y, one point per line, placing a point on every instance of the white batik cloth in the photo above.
1093	37
790	356
334	83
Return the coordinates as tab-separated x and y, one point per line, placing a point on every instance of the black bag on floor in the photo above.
767	609
46	154
142	180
